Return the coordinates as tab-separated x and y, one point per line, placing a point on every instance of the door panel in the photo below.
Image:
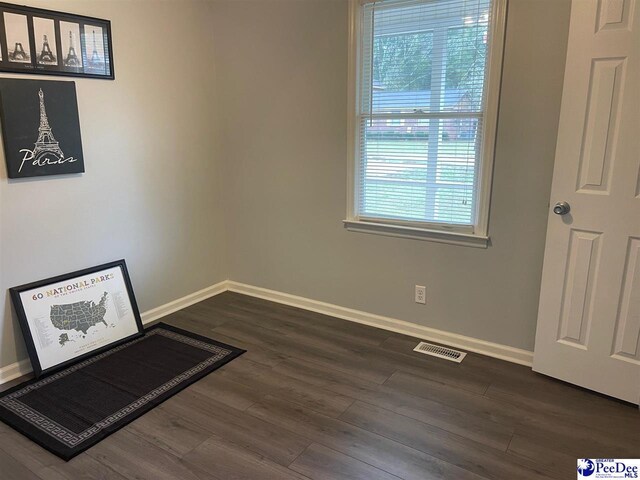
613	14
577	301
600	134
627	343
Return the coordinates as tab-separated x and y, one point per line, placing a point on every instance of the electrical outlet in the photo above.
421	294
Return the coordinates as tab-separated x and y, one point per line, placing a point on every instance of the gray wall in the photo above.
282	66
149	193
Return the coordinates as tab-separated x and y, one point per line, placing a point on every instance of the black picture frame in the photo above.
93	56
25	323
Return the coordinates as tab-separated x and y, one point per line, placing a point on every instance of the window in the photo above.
424	76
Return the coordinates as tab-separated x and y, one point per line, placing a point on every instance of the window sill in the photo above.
439	236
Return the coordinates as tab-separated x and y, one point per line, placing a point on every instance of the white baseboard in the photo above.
496	350
15	370
184	302
23	367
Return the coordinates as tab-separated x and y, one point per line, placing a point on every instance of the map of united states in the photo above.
79	316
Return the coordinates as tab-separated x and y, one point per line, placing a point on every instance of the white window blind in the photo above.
420	111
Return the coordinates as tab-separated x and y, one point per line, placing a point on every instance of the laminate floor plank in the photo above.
308	319
603	414
253	352
451	448
570	432
333	338
171	432
400	358
320	463
317	323
399	349
28	453
214	313
318	374
472	403
265	380
226	389
549	458
229	461
434	413
581	440
12	468
82	467
376	371
187	322
203	317
361	444
254	434
136	459
409	361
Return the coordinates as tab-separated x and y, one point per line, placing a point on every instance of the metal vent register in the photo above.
440	352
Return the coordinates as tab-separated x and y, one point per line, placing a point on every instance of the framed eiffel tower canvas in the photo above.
40	128
34	40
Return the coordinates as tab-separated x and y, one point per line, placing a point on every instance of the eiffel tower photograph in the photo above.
18	49
94	42
47	112
44	32
46	55
71	50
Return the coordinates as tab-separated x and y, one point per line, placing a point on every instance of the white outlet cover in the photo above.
421	294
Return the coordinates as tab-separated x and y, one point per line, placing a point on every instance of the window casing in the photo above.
424	85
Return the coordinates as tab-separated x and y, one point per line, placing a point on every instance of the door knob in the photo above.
561	208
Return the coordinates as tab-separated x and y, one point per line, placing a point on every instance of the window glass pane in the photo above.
402	72
404	177
452	205
466	59
394	170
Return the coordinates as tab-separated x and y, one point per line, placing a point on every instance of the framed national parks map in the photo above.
70	317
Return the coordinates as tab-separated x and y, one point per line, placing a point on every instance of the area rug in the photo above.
73	409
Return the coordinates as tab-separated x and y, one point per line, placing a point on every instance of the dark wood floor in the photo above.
321	398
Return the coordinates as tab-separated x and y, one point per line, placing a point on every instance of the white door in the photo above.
589	315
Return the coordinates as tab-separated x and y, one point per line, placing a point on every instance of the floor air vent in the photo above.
440	352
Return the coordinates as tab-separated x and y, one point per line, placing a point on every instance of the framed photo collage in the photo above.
41	41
